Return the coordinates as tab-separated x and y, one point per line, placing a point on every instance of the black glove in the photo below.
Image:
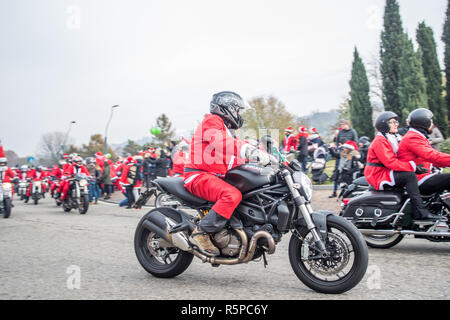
420	169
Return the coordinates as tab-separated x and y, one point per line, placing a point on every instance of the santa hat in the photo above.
351	145
302	129
66	156
288	129
313	130
2	154
130	159
98	154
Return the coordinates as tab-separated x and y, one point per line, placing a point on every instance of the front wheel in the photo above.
342	269
6	208
84	205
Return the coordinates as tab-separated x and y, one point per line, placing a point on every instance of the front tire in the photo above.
343	239
84	204
6	208
167	262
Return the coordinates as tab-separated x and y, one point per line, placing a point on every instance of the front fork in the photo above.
305	209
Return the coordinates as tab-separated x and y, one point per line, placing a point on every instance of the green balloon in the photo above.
157	130
108	156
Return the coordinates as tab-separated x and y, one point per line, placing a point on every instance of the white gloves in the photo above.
261	157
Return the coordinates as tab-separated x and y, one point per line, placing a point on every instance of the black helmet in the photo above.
420	119
364	140
227	104
381	124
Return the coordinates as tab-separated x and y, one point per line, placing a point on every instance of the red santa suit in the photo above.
416	147
36	176
214	151
381	153
179	160
69	171
289	142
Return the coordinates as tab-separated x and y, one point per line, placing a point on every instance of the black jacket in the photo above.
346	135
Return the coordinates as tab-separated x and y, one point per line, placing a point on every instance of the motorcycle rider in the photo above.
6	174
416	147
384	169
75	168
214	150
37	174
179	159
56	174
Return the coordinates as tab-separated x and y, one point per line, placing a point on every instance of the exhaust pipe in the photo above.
160	224
404	232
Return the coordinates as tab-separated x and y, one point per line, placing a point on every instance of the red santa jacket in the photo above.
381	152
6	174
416	147
179	160
36	175
71	170
290	143
214	149
56	172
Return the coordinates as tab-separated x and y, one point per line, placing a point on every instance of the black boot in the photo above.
334	195
424	214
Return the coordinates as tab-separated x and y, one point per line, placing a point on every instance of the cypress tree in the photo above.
360	107
412	82
446	39
432	72
392	40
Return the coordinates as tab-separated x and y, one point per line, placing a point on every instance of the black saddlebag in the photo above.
374	204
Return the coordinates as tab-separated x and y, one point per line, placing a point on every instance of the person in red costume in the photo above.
127	183
289	142
56	174
37	174
76	167
384	169
215	150
6	174
416	147
179	159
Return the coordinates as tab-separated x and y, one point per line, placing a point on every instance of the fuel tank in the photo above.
248	177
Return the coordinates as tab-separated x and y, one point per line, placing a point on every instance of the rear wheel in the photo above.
157	256
383	241
342	269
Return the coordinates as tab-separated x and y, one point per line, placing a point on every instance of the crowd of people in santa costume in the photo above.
127	175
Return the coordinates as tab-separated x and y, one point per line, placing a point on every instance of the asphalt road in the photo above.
49	254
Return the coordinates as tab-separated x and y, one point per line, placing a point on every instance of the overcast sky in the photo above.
72	60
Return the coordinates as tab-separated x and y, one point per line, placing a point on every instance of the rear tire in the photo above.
383	241
150	263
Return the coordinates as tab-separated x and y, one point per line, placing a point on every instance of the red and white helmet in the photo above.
77	161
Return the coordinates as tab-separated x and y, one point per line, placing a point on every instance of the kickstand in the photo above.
265	259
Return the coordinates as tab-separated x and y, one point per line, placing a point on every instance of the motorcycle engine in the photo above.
228	243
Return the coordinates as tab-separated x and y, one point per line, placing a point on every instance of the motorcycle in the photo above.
5	199
326	252
36	191
78	194
22	189
386	217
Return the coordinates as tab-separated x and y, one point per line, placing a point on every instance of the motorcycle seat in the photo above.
175	186
361	181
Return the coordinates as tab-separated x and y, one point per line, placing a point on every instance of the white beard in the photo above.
393	141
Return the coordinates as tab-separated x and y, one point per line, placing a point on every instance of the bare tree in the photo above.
375	78
50	147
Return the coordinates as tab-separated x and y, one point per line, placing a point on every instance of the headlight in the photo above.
6	186
305	184
37	183
83	183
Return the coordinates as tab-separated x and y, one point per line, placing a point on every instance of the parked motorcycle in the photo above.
385	217
5	199
326	252
78	194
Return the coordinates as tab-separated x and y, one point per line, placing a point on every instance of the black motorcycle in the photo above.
326	252
385	217
78	194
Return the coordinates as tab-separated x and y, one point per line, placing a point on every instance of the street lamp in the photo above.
63	147
107	126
